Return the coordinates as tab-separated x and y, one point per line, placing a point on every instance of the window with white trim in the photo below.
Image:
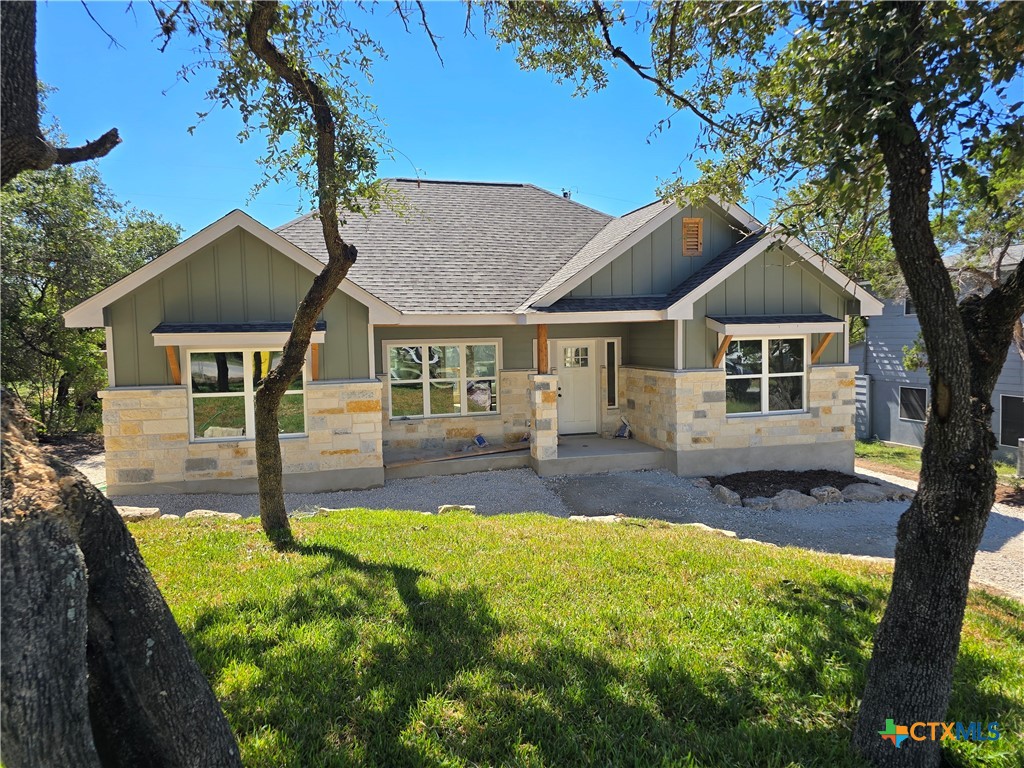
752	387
612	359
913	403
221	387
456	378
1011	420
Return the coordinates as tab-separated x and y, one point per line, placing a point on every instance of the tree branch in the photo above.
621	55
89	151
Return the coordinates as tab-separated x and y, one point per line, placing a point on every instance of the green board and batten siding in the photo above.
776	282
238	278
655	264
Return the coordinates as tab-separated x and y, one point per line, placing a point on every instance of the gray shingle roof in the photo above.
713	267
461	247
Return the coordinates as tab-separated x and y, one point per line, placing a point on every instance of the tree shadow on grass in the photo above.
367	663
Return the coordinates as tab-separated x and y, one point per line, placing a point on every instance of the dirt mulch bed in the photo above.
767	483
1005	494
73	448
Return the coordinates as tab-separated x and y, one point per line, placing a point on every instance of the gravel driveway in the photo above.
853	528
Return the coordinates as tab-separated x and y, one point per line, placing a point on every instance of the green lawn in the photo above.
394	638
909	458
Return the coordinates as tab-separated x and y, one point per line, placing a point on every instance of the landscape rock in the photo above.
703	483
758	502
597	518
897	493
789	500
863	492
135	514
210	513
726	496
826	494
170	517
456	508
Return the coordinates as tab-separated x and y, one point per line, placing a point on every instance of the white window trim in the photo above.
425	380
764	375
899	407
1002	410
248	393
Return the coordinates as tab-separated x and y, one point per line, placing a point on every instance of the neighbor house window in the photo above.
693	237
1011	420
612	357
221	389
913	403
765	376
908	307
443	379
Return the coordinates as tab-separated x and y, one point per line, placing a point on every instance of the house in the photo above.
495	309
892	401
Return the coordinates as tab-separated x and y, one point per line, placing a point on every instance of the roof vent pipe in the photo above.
567	194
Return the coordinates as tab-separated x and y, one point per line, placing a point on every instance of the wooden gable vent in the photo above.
693	237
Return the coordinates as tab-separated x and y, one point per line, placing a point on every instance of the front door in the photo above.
577	369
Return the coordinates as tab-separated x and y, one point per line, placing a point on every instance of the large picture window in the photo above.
221	389
443	378
765	376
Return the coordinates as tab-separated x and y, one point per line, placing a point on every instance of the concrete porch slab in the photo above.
593	454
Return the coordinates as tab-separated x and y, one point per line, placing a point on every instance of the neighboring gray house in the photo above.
891	401
494	309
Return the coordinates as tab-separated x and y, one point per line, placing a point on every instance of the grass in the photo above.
908	458
394	639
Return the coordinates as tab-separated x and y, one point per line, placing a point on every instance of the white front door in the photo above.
576	366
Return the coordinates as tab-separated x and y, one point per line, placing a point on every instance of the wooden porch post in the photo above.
542	349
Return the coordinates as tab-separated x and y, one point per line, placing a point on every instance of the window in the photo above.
752	387
612	358
1011	420
443	379
913	403
908	306
221	387
693	237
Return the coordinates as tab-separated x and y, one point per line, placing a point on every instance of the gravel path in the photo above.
855	528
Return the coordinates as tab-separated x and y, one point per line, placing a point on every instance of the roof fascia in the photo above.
683	309
738	214
454	319
607	257
769	329
245	340
89	314
869	304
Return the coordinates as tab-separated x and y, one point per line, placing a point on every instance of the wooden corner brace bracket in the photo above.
172	363
721	351
818	350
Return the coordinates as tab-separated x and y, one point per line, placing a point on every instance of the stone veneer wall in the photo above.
145	432
544	409
683	412
454	432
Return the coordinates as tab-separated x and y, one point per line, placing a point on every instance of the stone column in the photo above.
544	413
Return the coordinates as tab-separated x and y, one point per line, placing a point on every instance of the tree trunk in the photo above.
341	257
910	675
94	670
22	146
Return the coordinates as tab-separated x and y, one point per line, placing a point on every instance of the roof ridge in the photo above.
570	200
465	182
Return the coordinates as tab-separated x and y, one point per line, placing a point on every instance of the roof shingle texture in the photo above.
460	247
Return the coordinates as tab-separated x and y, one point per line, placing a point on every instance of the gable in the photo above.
655	264
236	278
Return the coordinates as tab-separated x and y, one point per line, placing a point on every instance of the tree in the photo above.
64	238
23	145
284	70
884	95
94	671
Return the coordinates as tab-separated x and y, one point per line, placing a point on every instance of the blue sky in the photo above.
477	117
